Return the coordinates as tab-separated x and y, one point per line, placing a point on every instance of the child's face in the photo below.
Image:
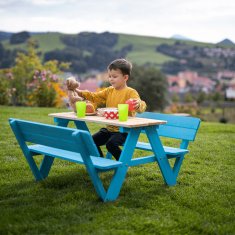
117	79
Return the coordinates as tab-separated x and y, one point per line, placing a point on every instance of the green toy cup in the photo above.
123	112
81	109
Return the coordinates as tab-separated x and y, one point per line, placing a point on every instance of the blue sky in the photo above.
201	20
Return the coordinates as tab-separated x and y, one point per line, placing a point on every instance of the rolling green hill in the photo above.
46	41
143	47
143	50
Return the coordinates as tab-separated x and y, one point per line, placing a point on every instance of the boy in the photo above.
118	93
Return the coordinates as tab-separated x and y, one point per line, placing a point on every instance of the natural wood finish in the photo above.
130	123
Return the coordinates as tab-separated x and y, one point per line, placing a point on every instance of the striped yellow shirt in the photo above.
110	97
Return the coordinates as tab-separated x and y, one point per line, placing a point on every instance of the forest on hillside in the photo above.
84	51
89	51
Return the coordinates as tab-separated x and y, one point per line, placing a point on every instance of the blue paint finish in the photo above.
125	158
77	145
46	165
28	155
160	155
63	143
178	127
81	125
61	122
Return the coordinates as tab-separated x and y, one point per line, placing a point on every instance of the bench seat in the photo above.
98	162
170	151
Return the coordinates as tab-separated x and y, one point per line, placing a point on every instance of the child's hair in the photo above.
122	64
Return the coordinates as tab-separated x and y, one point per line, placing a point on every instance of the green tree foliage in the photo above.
201	97
151	85
188	98
5	92
87	51
175	98
44	94
31	82
216	96
20	37
23	73
88	41
7	57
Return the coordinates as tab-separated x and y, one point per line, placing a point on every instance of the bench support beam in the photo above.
160	155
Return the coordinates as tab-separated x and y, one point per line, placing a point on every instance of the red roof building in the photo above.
189	81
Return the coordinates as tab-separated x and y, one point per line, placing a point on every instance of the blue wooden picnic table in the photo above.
77	145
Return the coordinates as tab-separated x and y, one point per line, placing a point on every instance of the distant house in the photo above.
230	91
189	81
225	76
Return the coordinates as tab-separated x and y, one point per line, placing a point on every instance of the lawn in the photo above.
144	47
47	42
65	203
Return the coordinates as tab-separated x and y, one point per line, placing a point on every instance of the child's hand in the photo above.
136	103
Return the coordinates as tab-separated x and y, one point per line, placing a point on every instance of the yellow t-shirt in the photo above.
110	97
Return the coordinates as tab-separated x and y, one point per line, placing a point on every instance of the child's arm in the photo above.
98	98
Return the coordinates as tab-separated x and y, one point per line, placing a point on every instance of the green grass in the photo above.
202	202
144	49
47	42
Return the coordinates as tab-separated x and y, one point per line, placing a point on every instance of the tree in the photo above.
20	37
23	73
5	91
201	97
35	83
188	98
151	85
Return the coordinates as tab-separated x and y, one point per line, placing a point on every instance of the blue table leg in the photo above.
163	162
61	122
81	125
120	174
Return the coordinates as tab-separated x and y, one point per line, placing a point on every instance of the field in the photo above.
218	114
144	48
47	42
65	203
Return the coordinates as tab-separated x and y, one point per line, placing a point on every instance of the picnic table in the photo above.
134	126
77	145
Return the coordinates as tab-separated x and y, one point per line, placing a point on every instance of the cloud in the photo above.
204	20
50	2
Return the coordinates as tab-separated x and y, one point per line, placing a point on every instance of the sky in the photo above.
200	20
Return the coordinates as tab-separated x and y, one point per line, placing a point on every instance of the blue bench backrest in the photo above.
177	127
53	136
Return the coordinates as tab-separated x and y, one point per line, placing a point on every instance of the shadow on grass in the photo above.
76	185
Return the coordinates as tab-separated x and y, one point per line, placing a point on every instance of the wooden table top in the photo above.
131	122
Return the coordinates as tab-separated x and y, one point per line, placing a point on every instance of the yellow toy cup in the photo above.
123	112
81	109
